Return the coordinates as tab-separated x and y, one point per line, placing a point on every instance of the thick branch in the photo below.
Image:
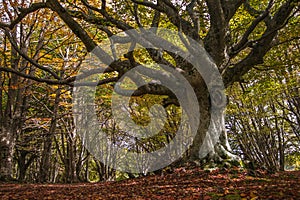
243	43
215	40
151	88
261	47
69	81
23	13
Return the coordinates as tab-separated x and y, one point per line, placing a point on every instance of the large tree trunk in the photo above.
7	145
196	150
10	120
211	142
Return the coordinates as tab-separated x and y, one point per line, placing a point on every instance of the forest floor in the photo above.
181	184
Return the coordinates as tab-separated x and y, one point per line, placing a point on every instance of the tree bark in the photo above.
10	120
47	149
7	145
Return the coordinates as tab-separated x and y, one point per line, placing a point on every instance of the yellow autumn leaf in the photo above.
253	195
52	95
243	195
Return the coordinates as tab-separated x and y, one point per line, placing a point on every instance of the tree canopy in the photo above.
253	45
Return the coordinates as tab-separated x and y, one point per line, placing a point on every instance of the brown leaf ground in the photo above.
190	184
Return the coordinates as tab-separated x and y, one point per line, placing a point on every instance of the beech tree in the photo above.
234	48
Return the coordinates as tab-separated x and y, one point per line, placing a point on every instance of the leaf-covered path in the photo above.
189	184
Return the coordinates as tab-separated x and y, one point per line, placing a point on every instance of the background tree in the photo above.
263	113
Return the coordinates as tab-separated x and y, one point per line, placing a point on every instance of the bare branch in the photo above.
98	83
23	13
79	31
120	24
37	79
33	62
151	88
69	81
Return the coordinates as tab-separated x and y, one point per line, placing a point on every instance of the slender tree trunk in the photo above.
46	154
22	165
281	149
